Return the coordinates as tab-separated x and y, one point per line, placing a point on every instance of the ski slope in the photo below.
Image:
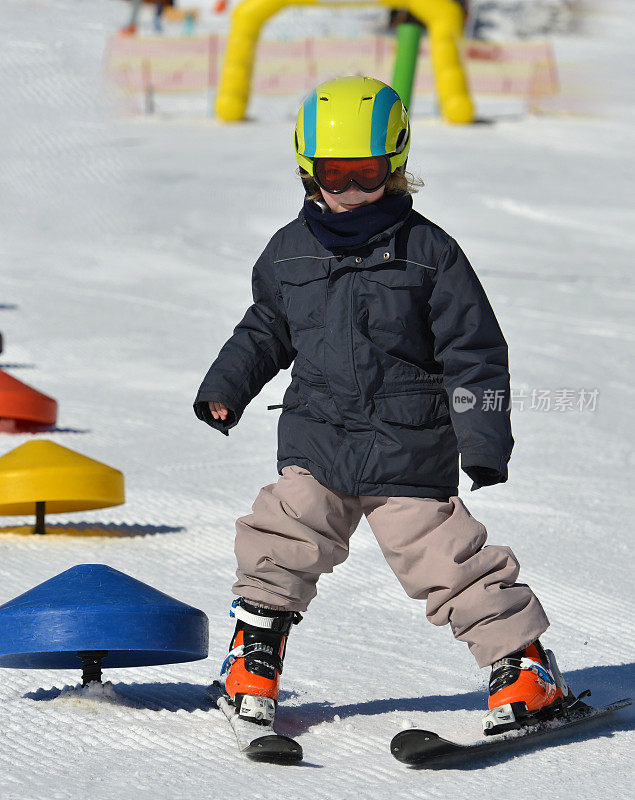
126	248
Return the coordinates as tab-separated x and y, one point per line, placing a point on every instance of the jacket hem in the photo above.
365	488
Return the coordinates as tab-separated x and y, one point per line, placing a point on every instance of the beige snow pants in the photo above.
300	529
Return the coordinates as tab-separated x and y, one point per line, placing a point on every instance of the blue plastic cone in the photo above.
94	608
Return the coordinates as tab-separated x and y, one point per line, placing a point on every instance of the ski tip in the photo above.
414	745
274	748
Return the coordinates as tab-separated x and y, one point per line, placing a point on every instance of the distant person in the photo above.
399	365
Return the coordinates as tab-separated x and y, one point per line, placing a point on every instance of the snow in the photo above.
127	246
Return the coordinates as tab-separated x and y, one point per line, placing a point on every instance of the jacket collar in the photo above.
309	257
343	234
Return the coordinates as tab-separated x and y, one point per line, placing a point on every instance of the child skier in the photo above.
399	365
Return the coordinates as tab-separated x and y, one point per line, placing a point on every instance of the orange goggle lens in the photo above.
336	175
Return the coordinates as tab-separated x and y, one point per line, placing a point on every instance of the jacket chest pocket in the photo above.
303	285
394	298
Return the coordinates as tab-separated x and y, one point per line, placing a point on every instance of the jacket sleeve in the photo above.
258	349
472	349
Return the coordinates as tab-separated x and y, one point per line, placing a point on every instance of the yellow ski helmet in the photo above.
352	117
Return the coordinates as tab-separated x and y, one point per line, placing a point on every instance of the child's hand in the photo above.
219	411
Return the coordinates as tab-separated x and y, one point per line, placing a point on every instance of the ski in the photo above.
256	742
427	749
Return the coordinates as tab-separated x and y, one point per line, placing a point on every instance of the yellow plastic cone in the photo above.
42	474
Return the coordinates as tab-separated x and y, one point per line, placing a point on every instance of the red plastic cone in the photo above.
21	404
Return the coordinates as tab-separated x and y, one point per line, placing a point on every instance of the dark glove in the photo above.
484	476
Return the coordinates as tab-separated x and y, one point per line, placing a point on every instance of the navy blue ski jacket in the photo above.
399	363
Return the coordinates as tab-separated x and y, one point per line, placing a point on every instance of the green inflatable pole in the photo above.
408	36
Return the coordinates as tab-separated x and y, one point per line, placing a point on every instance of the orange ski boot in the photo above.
254	662
524	688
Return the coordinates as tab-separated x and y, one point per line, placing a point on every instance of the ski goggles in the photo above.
336	175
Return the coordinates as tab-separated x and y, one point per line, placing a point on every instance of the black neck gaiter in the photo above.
353	228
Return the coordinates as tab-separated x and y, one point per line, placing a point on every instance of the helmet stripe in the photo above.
384	101
310	125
